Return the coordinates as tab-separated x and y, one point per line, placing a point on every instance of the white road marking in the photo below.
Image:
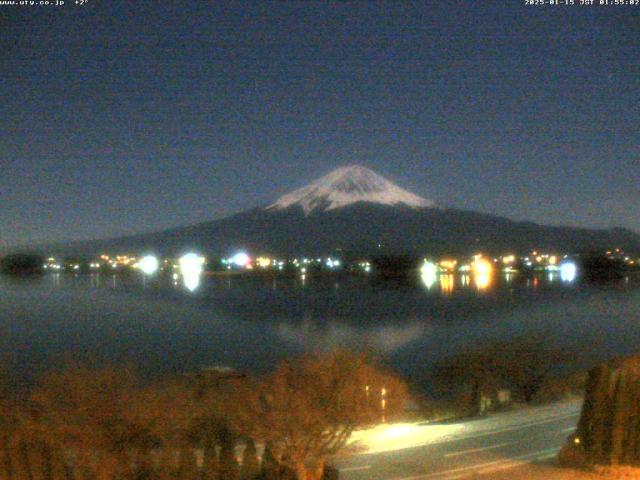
570	429
509	429
474	450
505	464
355	469
510	465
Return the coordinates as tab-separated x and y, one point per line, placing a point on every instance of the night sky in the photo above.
122	117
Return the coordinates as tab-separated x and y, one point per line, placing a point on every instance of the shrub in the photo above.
561	388
21	263
572	456
330	473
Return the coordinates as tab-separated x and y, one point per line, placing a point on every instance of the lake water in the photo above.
160	326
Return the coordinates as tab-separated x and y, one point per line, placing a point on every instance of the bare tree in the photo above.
104	424
86	414
250	466
308	408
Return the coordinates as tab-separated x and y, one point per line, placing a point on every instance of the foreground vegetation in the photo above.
106	424
607	439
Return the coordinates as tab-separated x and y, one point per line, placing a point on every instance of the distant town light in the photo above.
428	273
332	263
448	265
509	259
263	262
191	263
149	264
568	271
240	259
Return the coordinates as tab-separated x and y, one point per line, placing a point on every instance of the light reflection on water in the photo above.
482	280
250	322
191	280
447	284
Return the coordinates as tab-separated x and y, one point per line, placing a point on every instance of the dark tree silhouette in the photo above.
523	363
609	426
250	465
21	263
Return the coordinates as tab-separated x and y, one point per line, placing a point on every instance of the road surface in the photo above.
452	451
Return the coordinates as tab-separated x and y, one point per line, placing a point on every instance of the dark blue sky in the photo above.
120	117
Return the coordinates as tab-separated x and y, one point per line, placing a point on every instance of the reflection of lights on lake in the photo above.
482	270
428	274
191	281
148	264
446	284
482	281
191	266
568	271
465	280
482	267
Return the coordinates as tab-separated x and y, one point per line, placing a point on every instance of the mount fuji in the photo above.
358	211
346	186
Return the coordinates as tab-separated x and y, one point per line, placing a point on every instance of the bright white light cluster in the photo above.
240	259
568	271
332	263
149	264
429	273
191	266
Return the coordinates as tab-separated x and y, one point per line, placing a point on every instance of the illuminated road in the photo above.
461	450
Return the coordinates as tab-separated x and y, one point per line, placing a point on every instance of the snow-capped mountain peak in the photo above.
348	185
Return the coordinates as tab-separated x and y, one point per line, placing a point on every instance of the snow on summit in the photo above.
348	185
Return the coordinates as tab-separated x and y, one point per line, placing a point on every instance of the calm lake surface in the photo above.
160	326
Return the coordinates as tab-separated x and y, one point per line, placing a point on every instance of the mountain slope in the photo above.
358	211
364	228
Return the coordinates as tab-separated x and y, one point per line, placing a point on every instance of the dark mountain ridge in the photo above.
359	212
361	229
